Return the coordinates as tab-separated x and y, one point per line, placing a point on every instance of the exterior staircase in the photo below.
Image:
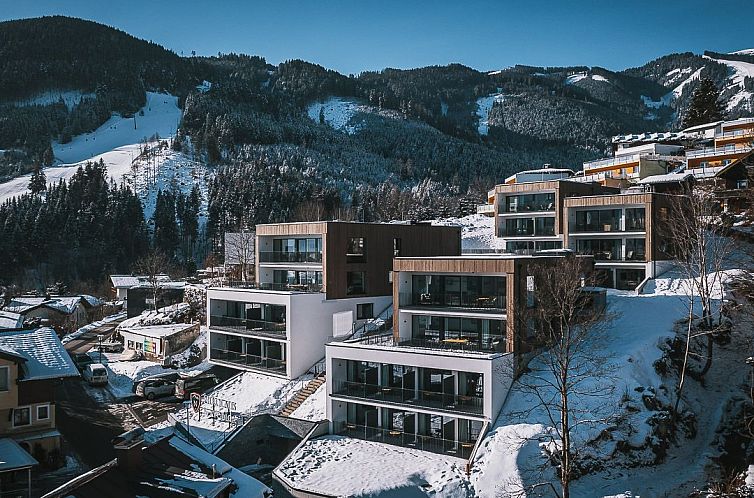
303	395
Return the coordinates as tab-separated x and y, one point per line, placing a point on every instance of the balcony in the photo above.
248	327
612	161
396	437
717	151
247	360
414	397
495	344
596	227
267	286
290	257
467	300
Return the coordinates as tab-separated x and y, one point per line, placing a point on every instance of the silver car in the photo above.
155	388
95	374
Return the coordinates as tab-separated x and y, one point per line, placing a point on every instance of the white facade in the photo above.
409	410
299	342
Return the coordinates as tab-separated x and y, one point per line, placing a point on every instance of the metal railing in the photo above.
597	227
290	257
495	344
237	284
611	161
414	397
248	360
246	326
485	209
735	133
397	437
453	300
717	151
378	325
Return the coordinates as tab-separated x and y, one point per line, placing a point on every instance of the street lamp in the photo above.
99	340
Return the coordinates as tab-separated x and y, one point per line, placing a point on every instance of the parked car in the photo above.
95	374
155	388
199	383
81	360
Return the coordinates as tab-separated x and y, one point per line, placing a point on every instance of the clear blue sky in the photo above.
352	36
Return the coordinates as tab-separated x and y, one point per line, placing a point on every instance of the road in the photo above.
88	340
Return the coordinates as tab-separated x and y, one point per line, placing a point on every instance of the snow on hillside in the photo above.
678	90
597	77
483	108
740	71
677	74
160	117
342	114
477	232
69	97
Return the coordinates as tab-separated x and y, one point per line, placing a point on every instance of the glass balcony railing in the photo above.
290	257
398	437
414	397
246	326
274	286
453	300
247	360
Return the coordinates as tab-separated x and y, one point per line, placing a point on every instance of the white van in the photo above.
95	374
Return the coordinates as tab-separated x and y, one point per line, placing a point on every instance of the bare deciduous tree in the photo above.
153	266
701	248
570	379
239	252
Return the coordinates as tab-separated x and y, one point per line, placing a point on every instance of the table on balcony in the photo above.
456	341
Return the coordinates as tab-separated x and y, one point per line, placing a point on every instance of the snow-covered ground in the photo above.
69	98
253	393
483	108
740	71
339	466
342	113
575	78
160	116
477	232
314	407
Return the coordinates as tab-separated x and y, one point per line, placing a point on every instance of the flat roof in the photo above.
158	331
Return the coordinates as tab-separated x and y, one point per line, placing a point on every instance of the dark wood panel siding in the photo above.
36	391
416	240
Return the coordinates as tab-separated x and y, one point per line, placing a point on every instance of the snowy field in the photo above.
339	466
69	98
477	232
344	114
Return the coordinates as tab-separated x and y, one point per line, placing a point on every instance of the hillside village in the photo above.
222	292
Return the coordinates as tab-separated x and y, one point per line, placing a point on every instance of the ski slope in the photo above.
483	108
161	116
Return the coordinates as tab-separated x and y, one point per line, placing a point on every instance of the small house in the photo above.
160	341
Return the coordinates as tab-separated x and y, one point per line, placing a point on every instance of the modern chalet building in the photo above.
624	232
314	281
529	215
442	374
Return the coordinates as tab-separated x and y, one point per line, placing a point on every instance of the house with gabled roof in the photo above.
31	363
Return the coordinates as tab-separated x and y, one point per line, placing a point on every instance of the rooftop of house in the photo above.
675	177
39	352
666	136
63	304
126	281
10	320
158	331
13	457
167	468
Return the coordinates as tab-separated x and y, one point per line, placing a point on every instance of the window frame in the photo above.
363	283
20	409
7	379
359	311
47	407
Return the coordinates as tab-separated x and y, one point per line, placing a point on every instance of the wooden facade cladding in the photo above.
716	160
415	240
657	206
563	189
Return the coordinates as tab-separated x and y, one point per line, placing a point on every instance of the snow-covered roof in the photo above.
44	353
10	320
649	137
63	304
128	281
705	126
666	178
13	457
158	331
22	304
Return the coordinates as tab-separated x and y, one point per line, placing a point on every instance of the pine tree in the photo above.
38	181
705	106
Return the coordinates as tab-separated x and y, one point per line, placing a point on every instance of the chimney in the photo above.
129	448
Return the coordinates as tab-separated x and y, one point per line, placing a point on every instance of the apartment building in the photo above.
441	375
31	362
624	234
630	164
314	281
528	216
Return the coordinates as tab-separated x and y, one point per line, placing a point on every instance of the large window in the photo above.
520	246
458	333
635	250
598	220
635	220
458	291
529	202
297	278
356	250
21	416
299	250
4	378
43	412
356	283
602	249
